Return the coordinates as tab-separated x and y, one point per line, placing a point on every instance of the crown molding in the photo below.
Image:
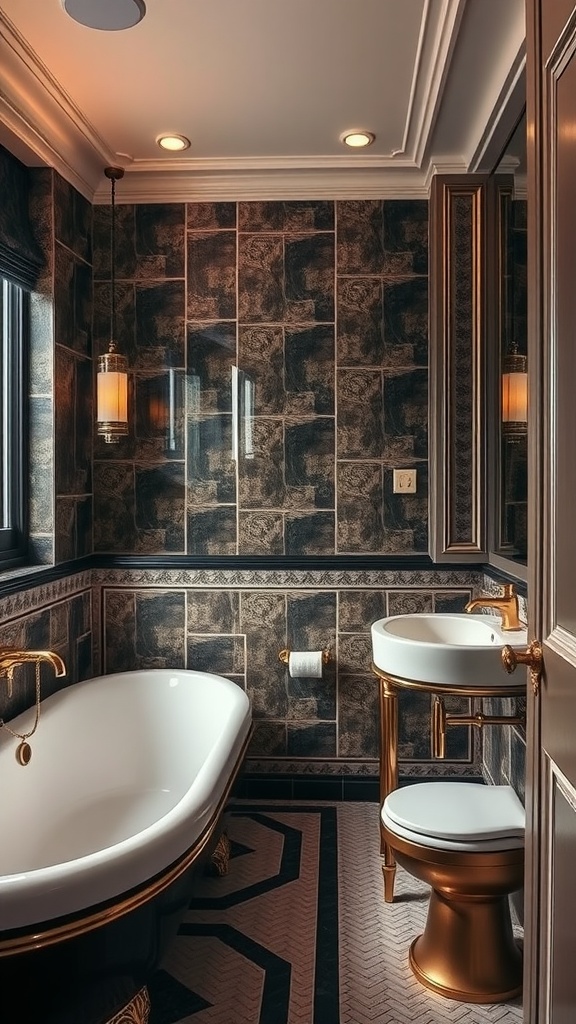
437	48
232	186
42	117
49	129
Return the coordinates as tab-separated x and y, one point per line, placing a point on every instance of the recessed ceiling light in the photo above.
107	15
357	138
175	143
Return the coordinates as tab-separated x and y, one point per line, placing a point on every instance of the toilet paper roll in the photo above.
305	663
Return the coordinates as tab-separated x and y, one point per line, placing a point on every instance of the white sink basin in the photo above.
451	650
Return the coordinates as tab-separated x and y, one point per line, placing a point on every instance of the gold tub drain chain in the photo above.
24	750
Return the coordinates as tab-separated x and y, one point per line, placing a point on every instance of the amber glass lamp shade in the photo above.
112	396
514	395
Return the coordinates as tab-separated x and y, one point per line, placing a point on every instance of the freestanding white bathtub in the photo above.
128	777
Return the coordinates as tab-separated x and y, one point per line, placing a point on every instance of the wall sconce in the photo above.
112	376
514	395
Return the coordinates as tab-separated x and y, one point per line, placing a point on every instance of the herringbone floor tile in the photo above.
298	932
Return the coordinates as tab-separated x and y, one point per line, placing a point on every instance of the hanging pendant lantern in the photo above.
112	375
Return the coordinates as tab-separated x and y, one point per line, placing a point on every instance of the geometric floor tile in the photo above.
298	931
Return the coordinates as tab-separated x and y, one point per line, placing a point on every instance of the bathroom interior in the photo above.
291	356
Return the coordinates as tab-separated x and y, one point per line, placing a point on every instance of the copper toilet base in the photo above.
467	950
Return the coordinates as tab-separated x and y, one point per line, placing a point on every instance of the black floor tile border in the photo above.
275	1004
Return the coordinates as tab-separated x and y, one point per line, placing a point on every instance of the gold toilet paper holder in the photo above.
284	656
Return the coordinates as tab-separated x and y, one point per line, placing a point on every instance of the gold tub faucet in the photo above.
506	604
11	657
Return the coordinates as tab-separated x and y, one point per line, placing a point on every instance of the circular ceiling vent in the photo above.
108	15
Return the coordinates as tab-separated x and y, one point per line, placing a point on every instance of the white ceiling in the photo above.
264	89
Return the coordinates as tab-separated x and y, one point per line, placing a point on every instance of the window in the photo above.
13	430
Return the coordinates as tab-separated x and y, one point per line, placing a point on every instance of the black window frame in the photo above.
14	527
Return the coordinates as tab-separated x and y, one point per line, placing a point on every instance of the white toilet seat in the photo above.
460	816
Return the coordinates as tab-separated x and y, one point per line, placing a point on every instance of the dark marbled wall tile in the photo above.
309	463
72	302
261	359
73	423
261	478
114	501
213	611
360	423
41	344
160	325
355	652
311	622
458	737
72	219
223	655
41	207
160	629
263	620
414	726
309	370
405	321
211	531
311	699
211	354
309	278
210	216
316	739
125	302
268	740
309	533
450	602
405	415
261	533
83	657
261	296
41	444
73	528
359	339
406	602
290	215
405	231
388	237
41	548
159	238
160	507
406	515
360	526
119	624
211	275
159	416
358	609
358	716
517	768
125	243
211	470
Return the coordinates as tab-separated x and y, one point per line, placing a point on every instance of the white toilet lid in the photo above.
462	812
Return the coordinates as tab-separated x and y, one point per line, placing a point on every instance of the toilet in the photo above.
466	840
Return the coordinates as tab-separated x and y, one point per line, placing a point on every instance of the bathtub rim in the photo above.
88	920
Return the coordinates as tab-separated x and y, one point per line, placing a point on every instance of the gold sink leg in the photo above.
388	773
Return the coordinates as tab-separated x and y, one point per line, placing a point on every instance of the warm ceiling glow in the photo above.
357	139
175	143
106	15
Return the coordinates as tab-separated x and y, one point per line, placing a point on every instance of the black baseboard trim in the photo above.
320	787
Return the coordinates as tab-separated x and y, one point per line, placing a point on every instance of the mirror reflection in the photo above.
511	512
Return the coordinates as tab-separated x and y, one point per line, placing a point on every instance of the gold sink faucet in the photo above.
10	657
506	604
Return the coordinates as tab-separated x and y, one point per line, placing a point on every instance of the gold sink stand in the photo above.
389	687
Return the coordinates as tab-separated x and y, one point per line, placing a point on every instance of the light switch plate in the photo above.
404	481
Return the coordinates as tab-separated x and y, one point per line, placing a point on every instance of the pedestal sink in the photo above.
444	649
